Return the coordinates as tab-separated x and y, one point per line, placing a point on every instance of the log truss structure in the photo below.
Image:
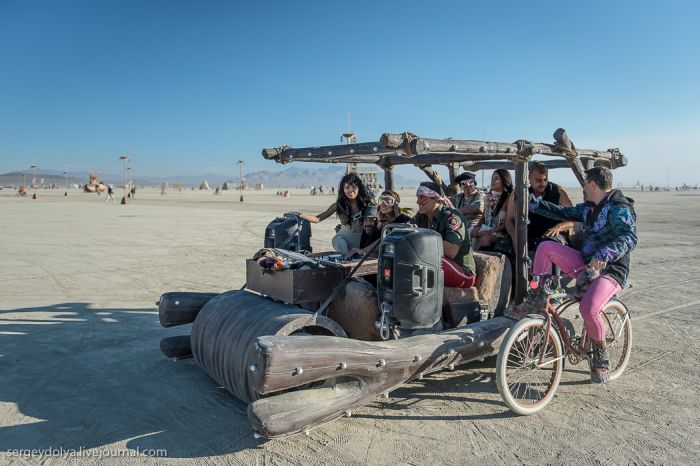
409	149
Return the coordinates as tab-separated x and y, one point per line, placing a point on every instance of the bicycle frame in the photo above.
553	318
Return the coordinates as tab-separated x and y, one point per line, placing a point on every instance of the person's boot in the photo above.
534	302
600	365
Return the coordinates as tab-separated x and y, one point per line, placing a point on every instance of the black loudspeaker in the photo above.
290	232
410	278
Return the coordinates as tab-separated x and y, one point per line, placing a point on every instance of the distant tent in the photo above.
205	186
226	186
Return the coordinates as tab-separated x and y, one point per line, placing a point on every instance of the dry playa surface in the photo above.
81	369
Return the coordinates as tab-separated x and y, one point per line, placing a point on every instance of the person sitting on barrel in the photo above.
435	212
352	198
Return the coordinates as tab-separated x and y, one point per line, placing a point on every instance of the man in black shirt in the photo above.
541	228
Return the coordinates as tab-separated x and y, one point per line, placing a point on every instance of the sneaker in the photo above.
600	365
533	304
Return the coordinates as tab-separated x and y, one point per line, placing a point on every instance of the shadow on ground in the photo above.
90	378
93	377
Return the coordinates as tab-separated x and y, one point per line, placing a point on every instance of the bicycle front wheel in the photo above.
618	336
529	366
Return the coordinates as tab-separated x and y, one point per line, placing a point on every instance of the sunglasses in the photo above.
466	182
388	200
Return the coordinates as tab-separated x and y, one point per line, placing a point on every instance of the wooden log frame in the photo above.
350	373
521	196
424	151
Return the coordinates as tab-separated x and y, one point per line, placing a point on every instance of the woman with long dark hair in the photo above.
492	225
352	198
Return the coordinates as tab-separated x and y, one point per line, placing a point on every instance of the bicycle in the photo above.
532	355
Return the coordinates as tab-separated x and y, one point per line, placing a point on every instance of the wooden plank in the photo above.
389	178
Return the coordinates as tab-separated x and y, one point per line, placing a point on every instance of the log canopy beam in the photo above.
365	152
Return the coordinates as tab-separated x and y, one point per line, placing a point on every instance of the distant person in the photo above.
133	191
542	228
609	235
352	199
110	194
216	191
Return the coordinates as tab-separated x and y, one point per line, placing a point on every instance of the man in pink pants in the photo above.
609	235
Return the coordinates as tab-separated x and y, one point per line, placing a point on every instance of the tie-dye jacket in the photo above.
609	230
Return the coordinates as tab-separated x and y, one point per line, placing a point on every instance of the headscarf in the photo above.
433	190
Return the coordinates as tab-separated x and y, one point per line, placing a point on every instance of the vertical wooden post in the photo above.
521	198
389	178
454	171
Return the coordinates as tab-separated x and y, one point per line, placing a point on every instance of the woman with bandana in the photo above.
352	198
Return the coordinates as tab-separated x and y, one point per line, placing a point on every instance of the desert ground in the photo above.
81	369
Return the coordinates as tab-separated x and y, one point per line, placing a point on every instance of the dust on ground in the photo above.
81	372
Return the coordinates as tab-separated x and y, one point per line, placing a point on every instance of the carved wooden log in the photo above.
494	165
227	327
351	373
389	178
364	152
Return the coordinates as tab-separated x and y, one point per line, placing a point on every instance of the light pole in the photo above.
66	175
34	168
35	195
124	158
240	178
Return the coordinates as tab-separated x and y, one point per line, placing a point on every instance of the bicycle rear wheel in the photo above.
618	336
525	385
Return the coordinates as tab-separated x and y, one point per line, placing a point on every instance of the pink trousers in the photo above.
598	294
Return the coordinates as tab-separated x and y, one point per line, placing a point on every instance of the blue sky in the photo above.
187	87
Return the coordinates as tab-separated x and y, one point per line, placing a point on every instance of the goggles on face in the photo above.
388	200
466	182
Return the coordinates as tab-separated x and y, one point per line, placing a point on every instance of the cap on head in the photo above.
370	211
465	176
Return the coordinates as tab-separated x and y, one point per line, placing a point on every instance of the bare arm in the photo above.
559	228
322	216
510	216
564	199
471	210
449	249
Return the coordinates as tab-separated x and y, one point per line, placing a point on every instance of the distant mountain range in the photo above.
291	177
